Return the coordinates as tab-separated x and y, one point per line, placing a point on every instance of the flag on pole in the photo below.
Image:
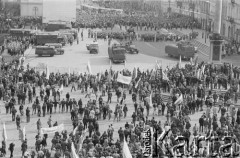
232	74
198	74
110	61
61	88
150	100
47	73
69	71
4	133
126	151
157	66
179	100
134	73
164	76
137	82
196	60
202	69
191	61
100	74
89	69
24	133
74	154
82	138
180	62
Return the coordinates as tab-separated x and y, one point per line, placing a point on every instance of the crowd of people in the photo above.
190	90
21	86
142	20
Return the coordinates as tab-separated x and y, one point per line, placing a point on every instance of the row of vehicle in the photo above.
116	52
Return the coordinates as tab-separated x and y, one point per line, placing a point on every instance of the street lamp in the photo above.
207	15
169	7
35	9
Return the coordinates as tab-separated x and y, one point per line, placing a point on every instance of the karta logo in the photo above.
152	146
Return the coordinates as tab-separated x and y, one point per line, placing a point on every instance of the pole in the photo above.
206	22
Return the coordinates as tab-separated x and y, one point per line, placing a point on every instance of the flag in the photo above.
100	74
179	100
137	82
4	133
74	154
202	69
152	73
110	63
75	131
196	60
61	88
191	61
69	71
82	138
157	66
180	62
24	133
164	76
198	74
160	138
134	73
232	74
126	151
150	100
47	73
89	69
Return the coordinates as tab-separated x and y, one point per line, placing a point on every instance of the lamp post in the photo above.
35	9
206	21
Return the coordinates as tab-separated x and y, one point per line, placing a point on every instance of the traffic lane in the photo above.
154	49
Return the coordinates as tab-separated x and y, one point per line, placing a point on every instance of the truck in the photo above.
43	38
184	49
117	53
45	51
93	47
20	32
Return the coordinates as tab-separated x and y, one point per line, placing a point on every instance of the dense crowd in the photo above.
147	21
21	86
19	22
194	83
17	45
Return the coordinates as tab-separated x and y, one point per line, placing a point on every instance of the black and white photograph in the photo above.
119	78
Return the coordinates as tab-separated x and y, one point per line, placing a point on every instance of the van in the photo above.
45	51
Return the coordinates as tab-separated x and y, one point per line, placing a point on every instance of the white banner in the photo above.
124	79
148	142
59	128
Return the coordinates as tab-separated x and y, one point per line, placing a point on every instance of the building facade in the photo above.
33	8
204	11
